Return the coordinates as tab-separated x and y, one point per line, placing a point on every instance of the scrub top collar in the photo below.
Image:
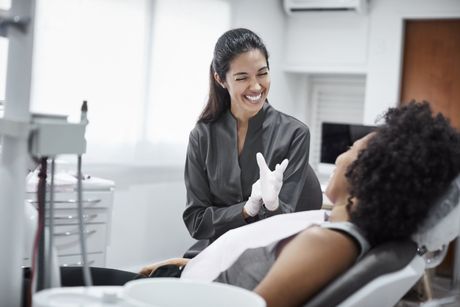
255	122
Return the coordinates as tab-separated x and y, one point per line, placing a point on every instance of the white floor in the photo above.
444	294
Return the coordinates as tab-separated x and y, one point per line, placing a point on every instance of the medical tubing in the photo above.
49	263
86	272
41	224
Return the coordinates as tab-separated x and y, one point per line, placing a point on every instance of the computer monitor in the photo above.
335	139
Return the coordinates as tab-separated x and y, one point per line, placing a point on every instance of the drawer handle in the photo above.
73	233
70	201
79	263
86	217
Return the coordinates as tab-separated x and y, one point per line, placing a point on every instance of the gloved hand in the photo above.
270	182
254	202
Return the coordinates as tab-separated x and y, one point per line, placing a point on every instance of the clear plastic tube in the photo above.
86	272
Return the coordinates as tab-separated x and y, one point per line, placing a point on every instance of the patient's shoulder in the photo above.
307	263
351	231
327	239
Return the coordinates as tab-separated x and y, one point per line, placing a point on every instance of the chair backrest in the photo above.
388	271
311	197
442	224
387	258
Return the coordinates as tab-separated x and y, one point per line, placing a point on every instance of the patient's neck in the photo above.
339	212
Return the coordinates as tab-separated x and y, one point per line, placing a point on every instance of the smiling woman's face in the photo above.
338	187
248	83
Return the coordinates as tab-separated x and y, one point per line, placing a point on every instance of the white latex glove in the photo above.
270	182
254	202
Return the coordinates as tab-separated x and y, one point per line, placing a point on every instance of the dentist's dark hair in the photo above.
231	44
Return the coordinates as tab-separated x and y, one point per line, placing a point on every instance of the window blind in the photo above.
337	99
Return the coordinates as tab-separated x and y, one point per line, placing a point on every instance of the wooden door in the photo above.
431	72
431	65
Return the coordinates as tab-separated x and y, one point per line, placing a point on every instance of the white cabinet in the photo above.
97	211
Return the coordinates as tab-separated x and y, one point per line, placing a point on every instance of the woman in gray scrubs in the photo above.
221	171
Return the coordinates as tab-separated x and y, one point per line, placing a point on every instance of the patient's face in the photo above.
338	187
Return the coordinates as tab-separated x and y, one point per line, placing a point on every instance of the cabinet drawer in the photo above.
70	216
65	200
67	239
95	259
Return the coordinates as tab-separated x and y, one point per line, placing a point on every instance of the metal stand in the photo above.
13	167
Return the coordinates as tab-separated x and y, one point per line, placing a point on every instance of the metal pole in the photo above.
14	154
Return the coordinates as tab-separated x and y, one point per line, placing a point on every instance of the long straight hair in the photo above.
231	44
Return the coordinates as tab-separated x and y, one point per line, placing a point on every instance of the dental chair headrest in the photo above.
442	224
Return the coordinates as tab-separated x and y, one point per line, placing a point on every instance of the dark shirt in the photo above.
253	264
219	181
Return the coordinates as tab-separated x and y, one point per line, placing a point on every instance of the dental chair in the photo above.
390	270
381	278
311	199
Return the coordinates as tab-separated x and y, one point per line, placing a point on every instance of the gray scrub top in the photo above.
219	182
254	264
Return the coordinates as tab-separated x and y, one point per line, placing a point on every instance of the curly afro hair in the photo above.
405	167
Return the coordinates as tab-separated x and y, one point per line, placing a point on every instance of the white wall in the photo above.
149	202
148	169
385	47
149	226
147	221
326	42
337	43
267	19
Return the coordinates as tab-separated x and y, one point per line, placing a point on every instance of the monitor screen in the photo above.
336	138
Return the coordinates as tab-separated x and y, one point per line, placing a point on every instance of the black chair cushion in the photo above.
73	276
383	259
196	248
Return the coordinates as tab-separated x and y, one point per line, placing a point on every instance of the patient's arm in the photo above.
149	269
305	265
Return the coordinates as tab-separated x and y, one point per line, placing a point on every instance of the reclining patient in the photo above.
382	188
